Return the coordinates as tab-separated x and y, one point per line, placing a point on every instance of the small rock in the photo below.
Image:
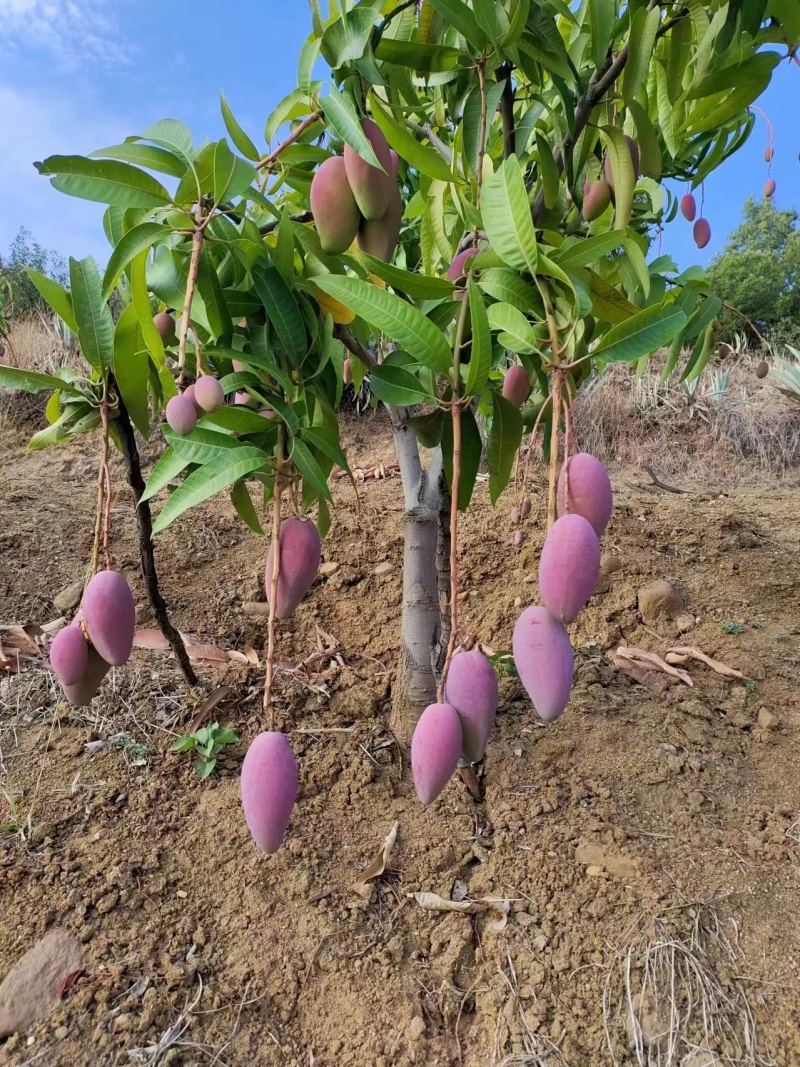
660	599
256	609
60	1033
517	601
30	988
416	1028
383	568
609	565
70	597
685	623
616	863
595	872
766	720
328	569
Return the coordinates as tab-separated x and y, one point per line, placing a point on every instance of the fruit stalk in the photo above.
103	508
455	411
557	379
194	269
276	563
268	160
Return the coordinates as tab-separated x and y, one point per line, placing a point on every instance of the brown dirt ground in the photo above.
640	828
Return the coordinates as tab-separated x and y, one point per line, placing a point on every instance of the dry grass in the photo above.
34	344
677	992
741	433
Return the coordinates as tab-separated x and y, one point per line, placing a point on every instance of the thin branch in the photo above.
107	475
268	161
436	142
354	346
276	562
507	113
191	283
380	29
455	408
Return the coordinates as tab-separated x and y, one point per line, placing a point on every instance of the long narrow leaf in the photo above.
225	469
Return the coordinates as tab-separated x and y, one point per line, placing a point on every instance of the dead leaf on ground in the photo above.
381	861
252	655
23	638
153	640
212	701
625	652
209	654
652	680
686	653
497	908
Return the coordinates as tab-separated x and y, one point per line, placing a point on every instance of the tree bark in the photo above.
415	682
144	524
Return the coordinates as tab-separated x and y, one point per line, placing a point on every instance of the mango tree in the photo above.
462	210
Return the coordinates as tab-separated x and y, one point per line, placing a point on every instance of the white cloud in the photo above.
74	35
48	125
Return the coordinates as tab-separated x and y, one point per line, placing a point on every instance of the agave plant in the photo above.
786	373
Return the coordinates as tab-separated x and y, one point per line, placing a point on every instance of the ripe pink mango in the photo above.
769	187
245	400
300	550
165	324
689	207
266	413
109	614
569	567
182	414
471	688
543	658
85	689
456	269
69	655
768	154
189	391
269	788
208	393
702	233
395	162
596	201
435	748
379	238
334	207
516	385
371	186
590	492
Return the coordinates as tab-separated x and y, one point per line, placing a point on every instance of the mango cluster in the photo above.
204	396
569	568
351	199
99	638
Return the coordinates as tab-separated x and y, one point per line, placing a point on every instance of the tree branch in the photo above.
507	113
267	161
429	132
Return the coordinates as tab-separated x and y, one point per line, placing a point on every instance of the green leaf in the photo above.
402	140
243	502
471	122
507	217
201	445
548	172
183	744
104	181
480	361
172	135
641	334
137	240
347	36
426	58
471	450
507	286
92	314
237	134
56	296
644	27
601	14
326	440
311	471
31	381
418	286
622	171
283	312
343	120
403	322
225	469
428	428
608	303
144	155
166	470
583	251
218	319
646	139
132	368
241	419
397	386
504	441
517	333
456	13
204	768
666	115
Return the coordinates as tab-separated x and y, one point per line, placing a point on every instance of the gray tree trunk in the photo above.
415	682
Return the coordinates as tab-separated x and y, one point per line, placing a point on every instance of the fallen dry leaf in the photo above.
685	653
625	652
153	640
206	654
652	680
498	908
237	657
212	701
379	864
251	654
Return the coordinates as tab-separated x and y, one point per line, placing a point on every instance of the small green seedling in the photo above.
207	742
503	662
733	628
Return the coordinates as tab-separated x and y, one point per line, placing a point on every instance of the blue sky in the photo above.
75	78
